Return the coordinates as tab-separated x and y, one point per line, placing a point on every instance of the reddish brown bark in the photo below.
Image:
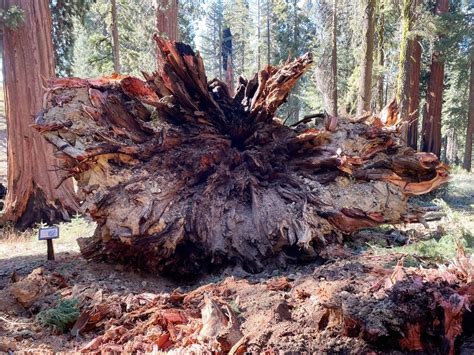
33	192
167	18
470	123
431	132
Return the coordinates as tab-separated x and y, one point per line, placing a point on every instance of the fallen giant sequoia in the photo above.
181	176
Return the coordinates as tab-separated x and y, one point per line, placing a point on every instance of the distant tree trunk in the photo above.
269	13
34	190
470	122
381	56
227	61
431	135
365	81
115	37
219	54
259	65
326	68
334	59
408	82
414	94
167	18
451	146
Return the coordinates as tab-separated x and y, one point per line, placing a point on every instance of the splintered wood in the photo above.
181	177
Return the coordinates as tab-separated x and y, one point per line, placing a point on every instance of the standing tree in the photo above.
326	70
237	18
431	131
365	81
212	38
259	22
334	59
35	192
115	37
470	121
167	18
381	54
408	83
268	8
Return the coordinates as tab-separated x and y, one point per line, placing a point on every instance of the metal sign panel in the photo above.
46	233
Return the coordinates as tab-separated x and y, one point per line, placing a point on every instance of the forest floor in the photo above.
287	310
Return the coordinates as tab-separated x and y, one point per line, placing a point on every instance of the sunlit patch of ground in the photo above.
440	242
14	243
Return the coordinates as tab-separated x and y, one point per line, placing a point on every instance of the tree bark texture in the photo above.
431	131
381	56
414	93
115	37
334	59
167	18
408	81
470	122
205	179
365	81
35	192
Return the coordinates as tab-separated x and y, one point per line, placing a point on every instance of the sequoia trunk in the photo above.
35	192
431	132
167	19
470	122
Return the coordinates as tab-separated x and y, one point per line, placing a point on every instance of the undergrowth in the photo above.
456	201
61	317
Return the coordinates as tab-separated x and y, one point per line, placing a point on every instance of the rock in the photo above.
282	312
31	288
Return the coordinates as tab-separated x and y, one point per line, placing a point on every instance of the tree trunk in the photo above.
403	80
216	180
115	37
470	122
227	60
408	83
259	65
334	60
414	93
451	146
381	56
431	132
326	69
269	12
35	192
167	18
365	81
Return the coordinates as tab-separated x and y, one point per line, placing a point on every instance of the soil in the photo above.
346	305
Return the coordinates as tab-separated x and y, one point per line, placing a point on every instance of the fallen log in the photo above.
181	177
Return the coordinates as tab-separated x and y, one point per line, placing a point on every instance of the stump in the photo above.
182	178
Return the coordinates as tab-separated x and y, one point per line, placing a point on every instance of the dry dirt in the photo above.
352	303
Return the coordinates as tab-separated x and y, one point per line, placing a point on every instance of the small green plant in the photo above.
61	317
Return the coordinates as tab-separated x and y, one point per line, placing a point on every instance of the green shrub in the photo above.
61	317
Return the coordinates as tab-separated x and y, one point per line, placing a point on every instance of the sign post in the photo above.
48	234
